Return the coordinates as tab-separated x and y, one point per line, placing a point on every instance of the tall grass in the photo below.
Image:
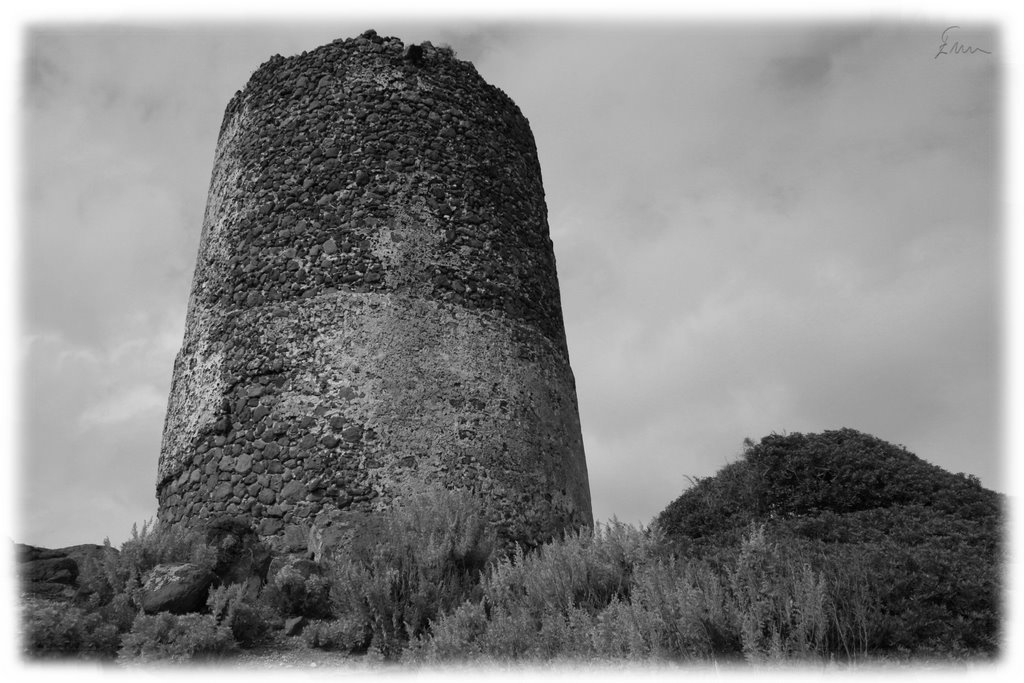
411	564
611	593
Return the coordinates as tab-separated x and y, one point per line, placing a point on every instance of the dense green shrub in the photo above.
910	555
249	620
407	565
292	594
120	612
97	578
59	630
842	471
925	580
173	637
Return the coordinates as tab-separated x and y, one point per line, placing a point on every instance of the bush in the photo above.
564	599
909	557
779	604
408	565
172	637
840	471
122	573
58	630
768	598
95	586
346	634
921	599
585	569
293	594
248	620
677	610
120	612
455	635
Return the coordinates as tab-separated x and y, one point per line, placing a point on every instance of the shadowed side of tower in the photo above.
375	308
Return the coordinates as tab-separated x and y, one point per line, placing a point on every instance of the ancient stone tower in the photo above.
375	309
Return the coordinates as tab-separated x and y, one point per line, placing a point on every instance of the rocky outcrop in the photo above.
375	308
55	572
44	571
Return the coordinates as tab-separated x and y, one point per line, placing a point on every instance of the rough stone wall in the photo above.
375	307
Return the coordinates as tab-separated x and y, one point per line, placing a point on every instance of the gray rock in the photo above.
55	572
62	570
294	626
176	588
270	526
293	491
244	463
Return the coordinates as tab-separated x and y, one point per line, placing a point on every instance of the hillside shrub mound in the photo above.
839	472
910	553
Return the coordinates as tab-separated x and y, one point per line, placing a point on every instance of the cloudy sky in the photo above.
759	227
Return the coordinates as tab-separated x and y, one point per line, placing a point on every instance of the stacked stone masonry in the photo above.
375	309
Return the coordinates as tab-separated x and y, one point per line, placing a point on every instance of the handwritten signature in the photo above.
957	48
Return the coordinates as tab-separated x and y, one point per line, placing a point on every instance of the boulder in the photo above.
294	626
176	588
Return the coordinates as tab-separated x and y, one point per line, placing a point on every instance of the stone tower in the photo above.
375	309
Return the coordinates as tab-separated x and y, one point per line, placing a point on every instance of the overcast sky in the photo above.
759	227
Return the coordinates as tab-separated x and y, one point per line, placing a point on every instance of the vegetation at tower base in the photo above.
832	546
896	573
375	308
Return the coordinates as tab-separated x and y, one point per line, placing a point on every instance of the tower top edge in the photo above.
369	44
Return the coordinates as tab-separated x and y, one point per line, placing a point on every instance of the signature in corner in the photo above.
957	47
